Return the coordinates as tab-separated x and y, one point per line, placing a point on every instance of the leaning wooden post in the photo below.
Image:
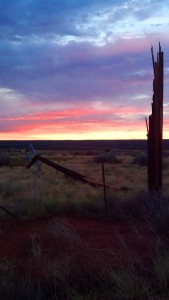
155	128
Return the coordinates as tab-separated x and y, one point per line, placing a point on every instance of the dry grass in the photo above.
37	193
78	271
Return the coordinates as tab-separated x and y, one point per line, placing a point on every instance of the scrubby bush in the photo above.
4	160
140	159
106	158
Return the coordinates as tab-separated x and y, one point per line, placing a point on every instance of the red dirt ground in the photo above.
15	237
76	246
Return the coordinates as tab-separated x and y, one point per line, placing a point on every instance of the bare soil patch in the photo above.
15	237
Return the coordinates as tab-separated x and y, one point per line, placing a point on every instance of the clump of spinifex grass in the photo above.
147	207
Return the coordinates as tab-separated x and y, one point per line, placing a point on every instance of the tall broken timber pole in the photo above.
155	127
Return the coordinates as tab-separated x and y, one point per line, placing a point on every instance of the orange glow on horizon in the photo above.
79	124
51	134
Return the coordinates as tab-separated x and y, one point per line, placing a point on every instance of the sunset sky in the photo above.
80	69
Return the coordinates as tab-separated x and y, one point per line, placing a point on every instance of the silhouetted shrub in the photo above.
4	160
106	158
165	153
86	152
140	159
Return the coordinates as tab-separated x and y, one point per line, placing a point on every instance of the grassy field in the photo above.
64	247
50	190
29	192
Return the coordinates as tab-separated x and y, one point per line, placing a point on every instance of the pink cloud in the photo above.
79	121
74	121
134	45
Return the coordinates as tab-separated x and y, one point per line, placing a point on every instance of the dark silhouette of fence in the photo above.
73	174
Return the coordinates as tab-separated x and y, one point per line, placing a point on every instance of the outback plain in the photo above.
64	239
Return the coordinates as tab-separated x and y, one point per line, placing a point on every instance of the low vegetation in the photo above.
58	263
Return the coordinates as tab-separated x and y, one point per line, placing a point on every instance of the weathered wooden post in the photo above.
155	128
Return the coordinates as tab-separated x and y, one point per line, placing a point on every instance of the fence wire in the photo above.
49	191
